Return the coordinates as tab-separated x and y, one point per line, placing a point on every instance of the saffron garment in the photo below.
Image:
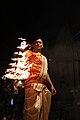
37	96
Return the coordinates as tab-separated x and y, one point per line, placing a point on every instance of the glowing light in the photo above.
15	53
21	38
19	68
23	45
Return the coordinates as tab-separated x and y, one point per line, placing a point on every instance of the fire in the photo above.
19	68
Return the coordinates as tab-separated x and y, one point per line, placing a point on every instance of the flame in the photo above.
23	45
15	53
21	71
21	38
19	68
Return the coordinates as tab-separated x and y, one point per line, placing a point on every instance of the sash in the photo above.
44	68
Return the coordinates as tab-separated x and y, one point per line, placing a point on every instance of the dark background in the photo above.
58	23
43	18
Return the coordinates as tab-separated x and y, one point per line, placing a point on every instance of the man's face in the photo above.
38	45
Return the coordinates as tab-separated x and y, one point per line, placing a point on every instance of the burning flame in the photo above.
19	68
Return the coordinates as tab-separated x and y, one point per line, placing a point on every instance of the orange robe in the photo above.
37	96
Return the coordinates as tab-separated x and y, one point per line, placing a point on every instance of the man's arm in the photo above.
53	90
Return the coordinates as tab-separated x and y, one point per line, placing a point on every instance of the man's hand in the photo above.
53	90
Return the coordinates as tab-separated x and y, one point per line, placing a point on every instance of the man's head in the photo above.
37	45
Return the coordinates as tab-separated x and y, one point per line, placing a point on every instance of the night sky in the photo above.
31	18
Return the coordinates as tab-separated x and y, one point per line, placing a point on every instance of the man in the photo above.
37	96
